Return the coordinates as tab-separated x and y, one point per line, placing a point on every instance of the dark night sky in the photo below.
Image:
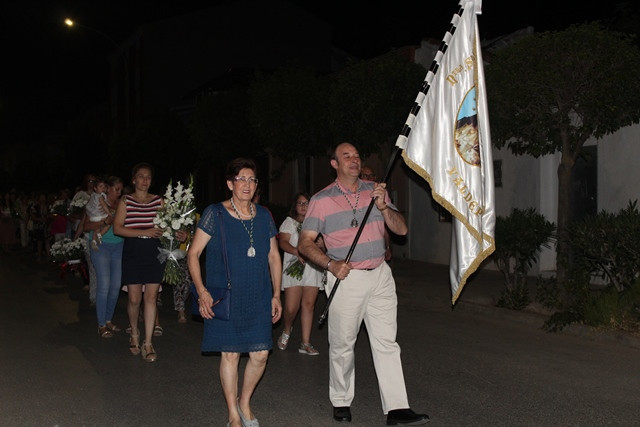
50	73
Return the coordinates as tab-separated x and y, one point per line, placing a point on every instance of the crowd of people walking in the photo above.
249	264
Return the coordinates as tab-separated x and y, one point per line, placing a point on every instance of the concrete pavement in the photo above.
473	365
481	294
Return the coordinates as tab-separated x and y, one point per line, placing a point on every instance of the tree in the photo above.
297	113
160	139
551	92
370	101
288	110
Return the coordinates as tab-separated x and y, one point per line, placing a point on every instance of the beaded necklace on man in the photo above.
354	221
251	252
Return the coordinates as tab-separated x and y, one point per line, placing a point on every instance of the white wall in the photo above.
618	171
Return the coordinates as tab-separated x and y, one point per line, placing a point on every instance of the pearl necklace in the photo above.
251	252
354	221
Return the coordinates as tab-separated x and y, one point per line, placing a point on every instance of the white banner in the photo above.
449	145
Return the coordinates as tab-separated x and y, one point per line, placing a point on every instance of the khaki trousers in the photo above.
368	296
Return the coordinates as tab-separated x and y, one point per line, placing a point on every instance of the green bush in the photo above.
605	246
519	239
614	309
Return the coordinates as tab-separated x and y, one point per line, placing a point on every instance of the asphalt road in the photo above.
462	367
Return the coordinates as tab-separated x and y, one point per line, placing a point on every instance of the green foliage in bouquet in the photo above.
295	270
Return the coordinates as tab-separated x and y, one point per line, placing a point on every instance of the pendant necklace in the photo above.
251	252
354	221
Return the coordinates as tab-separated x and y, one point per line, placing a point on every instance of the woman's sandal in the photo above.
112	327
283	341
134	343
148	356
104	332
158	331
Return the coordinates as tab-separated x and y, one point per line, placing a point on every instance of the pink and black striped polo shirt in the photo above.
329	213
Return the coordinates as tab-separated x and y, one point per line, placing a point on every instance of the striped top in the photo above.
141	215
329	213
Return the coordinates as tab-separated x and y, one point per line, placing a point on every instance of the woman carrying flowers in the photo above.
300	280
141	270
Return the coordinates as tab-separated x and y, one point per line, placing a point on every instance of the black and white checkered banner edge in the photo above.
426	84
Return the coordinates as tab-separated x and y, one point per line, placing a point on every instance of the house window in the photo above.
583	199
497	173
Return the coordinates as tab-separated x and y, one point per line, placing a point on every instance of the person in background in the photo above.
21	213
181	290
107	260
81	195
8	227
367	174
300	280
59	218
98	211
141	270
255	268
39	218
367	290
78	220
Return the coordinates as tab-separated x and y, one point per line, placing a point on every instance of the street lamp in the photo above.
71	23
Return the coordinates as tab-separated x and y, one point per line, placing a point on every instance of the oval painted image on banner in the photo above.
466	133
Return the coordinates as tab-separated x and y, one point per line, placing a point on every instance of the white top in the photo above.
312	275
94	210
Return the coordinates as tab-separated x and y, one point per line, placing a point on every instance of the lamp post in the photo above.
119	69
71	23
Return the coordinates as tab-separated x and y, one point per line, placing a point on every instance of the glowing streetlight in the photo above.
71	23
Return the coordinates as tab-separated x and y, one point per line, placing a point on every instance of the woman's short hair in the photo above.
236	165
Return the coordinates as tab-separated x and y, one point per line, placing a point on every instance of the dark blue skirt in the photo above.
140	263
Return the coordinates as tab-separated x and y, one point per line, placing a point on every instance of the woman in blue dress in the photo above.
255	271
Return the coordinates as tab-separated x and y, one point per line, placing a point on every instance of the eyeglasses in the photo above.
244	180
302	203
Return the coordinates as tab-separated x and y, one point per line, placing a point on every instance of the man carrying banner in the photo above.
367	292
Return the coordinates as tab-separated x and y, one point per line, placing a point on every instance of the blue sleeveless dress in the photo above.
249	328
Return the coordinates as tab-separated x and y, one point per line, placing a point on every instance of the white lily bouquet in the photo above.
178	213
68	250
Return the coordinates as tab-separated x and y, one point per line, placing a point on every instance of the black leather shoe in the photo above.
406	417
342	414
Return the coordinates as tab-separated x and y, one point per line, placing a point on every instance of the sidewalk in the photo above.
420	283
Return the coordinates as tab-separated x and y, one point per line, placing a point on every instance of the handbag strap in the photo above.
224	246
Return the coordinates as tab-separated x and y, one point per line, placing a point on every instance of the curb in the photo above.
486	306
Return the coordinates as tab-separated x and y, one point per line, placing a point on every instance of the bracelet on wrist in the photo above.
329	263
